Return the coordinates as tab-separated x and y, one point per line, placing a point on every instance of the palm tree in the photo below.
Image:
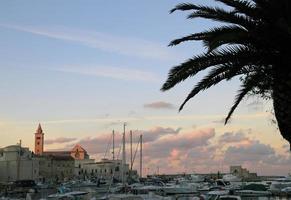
252	43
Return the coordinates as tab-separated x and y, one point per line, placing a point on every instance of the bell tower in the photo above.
39	139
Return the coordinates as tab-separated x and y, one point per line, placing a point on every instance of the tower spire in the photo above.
39	141
39	129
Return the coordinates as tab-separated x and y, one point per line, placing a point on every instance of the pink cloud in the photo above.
172	150
159	105
60	140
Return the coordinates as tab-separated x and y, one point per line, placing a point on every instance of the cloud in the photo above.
159	105
252	152
181	141
201	150
100	143
60	140
120	73
230	137
128	46
157	132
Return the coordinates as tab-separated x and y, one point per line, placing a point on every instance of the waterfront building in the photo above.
79	166
18	163
56	167
105	169
59	165
242	172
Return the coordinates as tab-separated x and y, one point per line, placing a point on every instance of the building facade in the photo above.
59	165
105	169
79	153
241	172
18	163
56	167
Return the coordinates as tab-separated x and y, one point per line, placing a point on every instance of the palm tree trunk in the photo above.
282	104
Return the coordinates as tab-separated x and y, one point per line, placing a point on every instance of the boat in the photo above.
214	195
150	196
286	191
277	186
64	192
252	193
231	178
229	197
196	178
176	189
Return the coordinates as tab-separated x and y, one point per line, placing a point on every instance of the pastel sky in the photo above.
83	68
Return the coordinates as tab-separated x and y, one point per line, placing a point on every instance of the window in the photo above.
117	169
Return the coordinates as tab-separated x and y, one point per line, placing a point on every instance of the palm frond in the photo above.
221	15
184	7
248	85
224	32
198	63
216	75
242	6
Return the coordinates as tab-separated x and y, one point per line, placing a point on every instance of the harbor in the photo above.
74	175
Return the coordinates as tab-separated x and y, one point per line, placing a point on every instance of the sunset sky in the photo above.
83	68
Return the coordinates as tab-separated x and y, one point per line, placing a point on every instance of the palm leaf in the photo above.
249	84
216	75
198	63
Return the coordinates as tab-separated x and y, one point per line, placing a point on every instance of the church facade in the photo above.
58	165
77	152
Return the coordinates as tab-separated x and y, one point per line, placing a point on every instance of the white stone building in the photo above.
18	163
105	169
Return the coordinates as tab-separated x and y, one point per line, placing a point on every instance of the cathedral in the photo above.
77	152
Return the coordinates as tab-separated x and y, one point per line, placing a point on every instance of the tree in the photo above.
252	43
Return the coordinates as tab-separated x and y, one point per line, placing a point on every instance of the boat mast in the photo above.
140	165
131	161
18	161
123	156
113	145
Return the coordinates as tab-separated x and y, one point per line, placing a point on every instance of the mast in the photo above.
140	165
113	145
123	156
131	161
18	162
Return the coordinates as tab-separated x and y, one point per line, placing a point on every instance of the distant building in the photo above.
59	165
18	163
105	169
56	167
78	152
242	172
79	166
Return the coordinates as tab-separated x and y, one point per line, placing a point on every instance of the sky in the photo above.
83	68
